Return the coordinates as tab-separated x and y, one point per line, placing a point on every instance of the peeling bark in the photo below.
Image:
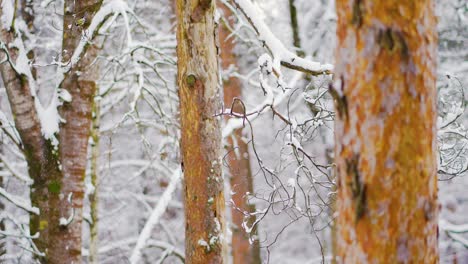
238	158
200	132
385	96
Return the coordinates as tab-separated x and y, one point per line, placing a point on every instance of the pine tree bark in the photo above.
200	131
385	97
238	158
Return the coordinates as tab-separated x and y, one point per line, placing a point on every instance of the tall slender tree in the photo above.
58	173
200	102
385	97
238	155
94	177
80	82
295	28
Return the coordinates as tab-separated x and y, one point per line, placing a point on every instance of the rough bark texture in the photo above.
200	130
385	98
75	131
238	158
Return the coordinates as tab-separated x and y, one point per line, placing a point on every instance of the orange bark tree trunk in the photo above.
385	95
200	131
238	158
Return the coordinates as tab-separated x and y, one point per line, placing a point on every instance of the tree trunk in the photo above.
385	97
94	174
295	28
73	135
200	132
42	161
238	159
3	250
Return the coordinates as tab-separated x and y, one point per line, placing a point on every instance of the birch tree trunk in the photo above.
58	177
42	161
238	158
200	131
385	97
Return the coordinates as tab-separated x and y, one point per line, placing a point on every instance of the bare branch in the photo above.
281	55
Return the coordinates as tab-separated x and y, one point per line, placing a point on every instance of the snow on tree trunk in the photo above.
385	95
238	157
200	131
75	131
57	173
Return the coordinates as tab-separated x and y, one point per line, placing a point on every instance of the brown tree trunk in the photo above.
295	28
200	132
385	99
238	158
58	189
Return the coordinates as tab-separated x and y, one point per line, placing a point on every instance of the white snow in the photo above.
64	95
155	216
445	225
292	182
15	172
271	99
278	51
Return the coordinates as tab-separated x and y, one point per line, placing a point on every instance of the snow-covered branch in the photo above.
14	172
23	233
150	243
454	231
449	227
9	129
49	116
155	216
280	54
8	13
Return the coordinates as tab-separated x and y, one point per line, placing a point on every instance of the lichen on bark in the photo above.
386	141
200	132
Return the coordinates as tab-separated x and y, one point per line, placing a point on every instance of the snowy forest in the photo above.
233	131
